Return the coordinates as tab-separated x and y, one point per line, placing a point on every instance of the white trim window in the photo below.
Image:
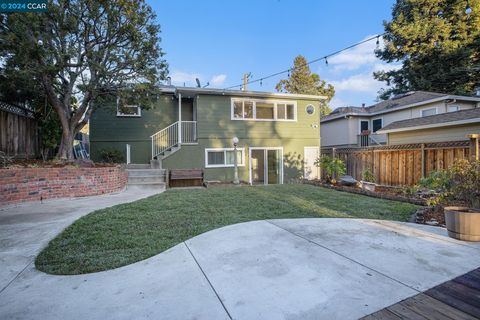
263	110
128	110
452	108
223	157
429	112
377	125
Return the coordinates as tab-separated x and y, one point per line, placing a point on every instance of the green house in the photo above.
190	128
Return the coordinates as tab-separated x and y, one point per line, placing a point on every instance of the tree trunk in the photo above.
65	150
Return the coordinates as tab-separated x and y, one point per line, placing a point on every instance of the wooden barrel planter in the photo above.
463	223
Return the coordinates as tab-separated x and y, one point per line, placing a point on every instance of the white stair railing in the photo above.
189	131
164	139
168	137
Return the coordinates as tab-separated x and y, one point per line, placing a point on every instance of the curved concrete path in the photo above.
276	269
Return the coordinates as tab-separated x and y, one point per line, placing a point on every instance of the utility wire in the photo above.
310	62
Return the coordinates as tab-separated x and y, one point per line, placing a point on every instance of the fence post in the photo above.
333	152
474	146
423	160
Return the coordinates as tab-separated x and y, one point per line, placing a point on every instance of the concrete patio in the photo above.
276	269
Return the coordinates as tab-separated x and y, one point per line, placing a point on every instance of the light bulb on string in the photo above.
326	61
468	9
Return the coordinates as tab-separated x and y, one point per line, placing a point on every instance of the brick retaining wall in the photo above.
34	184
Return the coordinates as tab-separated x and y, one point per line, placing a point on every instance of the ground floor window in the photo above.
223	157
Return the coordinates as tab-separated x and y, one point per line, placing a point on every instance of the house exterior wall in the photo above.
334	133
340	133
442	134
215	129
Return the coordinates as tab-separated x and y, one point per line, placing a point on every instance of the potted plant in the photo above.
332	167
368	180
463	222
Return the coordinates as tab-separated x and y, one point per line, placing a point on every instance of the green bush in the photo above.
332	167
368	176
439	181
465	186
111	156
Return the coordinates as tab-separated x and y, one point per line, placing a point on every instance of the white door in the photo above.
311	171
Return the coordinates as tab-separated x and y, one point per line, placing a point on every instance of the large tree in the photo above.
302	80
80	50
437	43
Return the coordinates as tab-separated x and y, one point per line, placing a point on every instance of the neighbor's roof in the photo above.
438	120
190	91
407	100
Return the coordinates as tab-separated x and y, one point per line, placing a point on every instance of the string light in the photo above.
287	71
261	82
378	42
468	9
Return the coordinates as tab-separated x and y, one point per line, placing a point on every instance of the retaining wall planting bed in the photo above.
36	184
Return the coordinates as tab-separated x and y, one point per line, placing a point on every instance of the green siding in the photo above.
215	130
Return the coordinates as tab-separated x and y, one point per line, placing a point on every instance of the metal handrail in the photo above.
172	136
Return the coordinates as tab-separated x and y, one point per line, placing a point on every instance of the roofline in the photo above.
223	92
429	126
368	114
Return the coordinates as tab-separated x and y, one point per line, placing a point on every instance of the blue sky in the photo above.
218	41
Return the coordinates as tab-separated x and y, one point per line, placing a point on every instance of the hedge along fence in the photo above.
35	184
402	164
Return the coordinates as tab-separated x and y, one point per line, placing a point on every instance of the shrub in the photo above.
368	176
465	176
111	156
439	181
333	167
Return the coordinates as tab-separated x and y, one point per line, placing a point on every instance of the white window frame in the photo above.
250	177
429	108
275	113
454	105
224	165
381	118
360	125
119	114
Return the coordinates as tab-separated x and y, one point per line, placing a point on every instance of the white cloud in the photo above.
337	102
362	82
180	77
356	57
218	79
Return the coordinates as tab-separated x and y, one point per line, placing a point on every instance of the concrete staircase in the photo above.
144	175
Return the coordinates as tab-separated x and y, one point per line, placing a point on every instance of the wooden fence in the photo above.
18	131
402	164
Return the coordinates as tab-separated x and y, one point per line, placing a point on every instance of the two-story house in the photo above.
279	134
412	117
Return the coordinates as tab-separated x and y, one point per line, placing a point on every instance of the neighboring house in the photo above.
450	126
193	128
362	126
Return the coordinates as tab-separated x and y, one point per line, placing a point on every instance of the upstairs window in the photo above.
128	110
377	124
429	112
263	110
452	108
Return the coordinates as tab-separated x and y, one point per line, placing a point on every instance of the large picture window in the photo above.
224	157
263	110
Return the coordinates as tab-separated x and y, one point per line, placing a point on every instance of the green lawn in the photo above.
127	233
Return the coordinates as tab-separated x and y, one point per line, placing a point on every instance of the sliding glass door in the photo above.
266	165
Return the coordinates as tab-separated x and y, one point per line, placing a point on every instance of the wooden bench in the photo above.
185	178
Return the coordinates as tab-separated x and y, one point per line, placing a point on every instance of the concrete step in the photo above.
145	172
149	179
147	184
138	166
